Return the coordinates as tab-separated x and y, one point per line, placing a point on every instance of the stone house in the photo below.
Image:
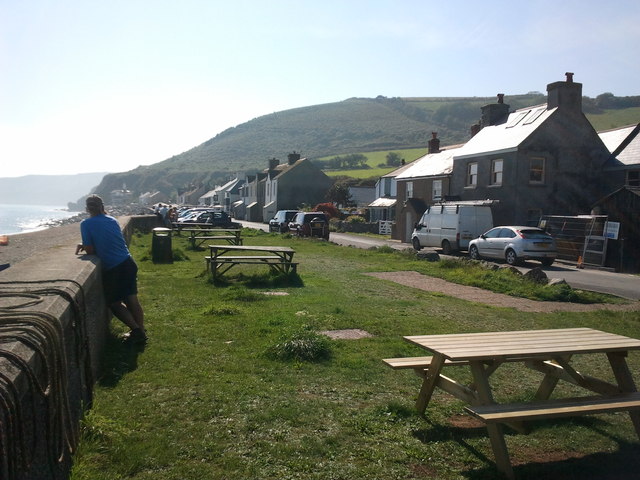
425	182
294	184
540	160
384	206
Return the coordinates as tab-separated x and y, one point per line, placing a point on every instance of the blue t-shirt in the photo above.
103	233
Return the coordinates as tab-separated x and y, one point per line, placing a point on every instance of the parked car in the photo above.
213	218
310	224
280	222
451	226
515	244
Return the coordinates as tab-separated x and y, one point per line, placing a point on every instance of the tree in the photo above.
393	159
339	194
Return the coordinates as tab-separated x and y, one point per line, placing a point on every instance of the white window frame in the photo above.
497	173
436	190
472	174
409	190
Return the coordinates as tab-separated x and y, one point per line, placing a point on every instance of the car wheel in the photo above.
547	262
416	243
474	254
511	257
446	247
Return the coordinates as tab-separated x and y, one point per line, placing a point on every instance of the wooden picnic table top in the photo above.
254	248
195	231
523	344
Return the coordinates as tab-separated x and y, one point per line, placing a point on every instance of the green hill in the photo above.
352	126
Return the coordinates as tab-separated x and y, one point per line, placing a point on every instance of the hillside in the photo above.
351	126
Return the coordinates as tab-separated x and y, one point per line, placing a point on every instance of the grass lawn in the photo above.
207	398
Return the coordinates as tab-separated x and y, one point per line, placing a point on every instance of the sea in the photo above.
30	218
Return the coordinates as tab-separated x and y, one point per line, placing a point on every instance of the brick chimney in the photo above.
494	113
293	157
273	163
565	95
434	143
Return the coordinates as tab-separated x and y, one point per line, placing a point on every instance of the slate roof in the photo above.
431	165
623	143
508	136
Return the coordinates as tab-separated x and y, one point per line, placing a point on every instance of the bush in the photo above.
355	219
303	345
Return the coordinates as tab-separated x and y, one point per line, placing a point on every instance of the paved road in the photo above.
620	284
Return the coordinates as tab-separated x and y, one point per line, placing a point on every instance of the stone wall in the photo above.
55	324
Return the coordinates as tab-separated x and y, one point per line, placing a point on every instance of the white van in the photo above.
451	225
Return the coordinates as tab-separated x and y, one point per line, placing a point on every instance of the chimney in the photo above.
273	163
475	128
565	95
494	113
293	157
434	143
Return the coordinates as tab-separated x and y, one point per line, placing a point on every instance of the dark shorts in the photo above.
120	281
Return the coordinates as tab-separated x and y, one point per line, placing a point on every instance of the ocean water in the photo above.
29	218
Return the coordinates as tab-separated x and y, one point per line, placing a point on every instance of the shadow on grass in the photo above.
120	357
623	464
263	280
550	464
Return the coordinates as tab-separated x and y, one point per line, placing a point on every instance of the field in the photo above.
374	159
236	383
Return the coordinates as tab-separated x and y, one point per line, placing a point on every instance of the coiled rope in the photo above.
43	334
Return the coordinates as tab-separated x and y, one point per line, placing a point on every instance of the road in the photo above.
619	284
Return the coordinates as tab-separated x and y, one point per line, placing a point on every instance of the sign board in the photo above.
611	230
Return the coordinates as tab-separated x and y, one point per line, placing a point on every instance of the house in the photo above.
425	182
291	185
383	208
623	166
540	160
225	195
252	197
622	205
361	196
191	195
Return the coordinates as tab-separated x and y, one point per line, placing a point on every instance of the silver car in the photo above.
515	244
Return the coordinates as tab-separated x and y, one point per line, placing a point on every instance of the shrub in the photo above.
355	219
328	208
303	345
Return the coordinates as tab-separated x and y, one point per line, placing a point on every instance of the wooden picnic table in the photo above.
547	351
224	257
197	236
179	226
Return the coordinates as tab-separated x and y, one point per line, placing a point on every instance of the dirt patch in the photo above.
347	334
474	294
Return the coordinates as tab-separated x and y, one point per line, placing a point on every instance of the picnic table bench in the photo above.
222	258
546	351
198	236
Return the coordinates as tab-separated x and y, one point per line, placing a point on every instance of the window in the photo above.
472	175
436	189
536	170
633	178
496	172
409	189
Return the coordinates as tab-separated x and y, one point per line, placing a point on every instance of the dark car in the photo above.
310	224
213	218
280	222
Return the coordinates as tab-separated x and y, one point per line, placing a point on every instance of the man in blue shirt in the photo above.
102	236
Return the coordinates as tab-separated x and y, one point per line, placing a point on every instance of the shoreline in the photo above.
64	233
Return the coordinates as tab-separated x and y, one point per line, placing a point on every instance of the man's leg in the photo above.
135	309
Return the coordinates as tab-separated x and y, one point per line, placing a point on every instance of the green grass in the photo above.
209	399
374	159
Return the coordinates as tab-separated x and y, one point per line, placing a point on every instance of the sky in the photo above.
95	86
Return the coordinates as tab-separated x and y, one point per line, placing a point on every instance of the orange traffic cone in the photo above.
580	265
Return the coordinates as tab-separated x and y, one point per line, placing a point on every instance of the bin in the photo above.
161	251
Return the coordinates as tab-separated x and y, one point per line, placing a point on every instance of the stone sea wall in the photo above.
54	324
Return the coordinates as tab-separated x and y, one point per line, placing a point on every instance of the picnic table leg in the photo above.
625	382
496	435
429	383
